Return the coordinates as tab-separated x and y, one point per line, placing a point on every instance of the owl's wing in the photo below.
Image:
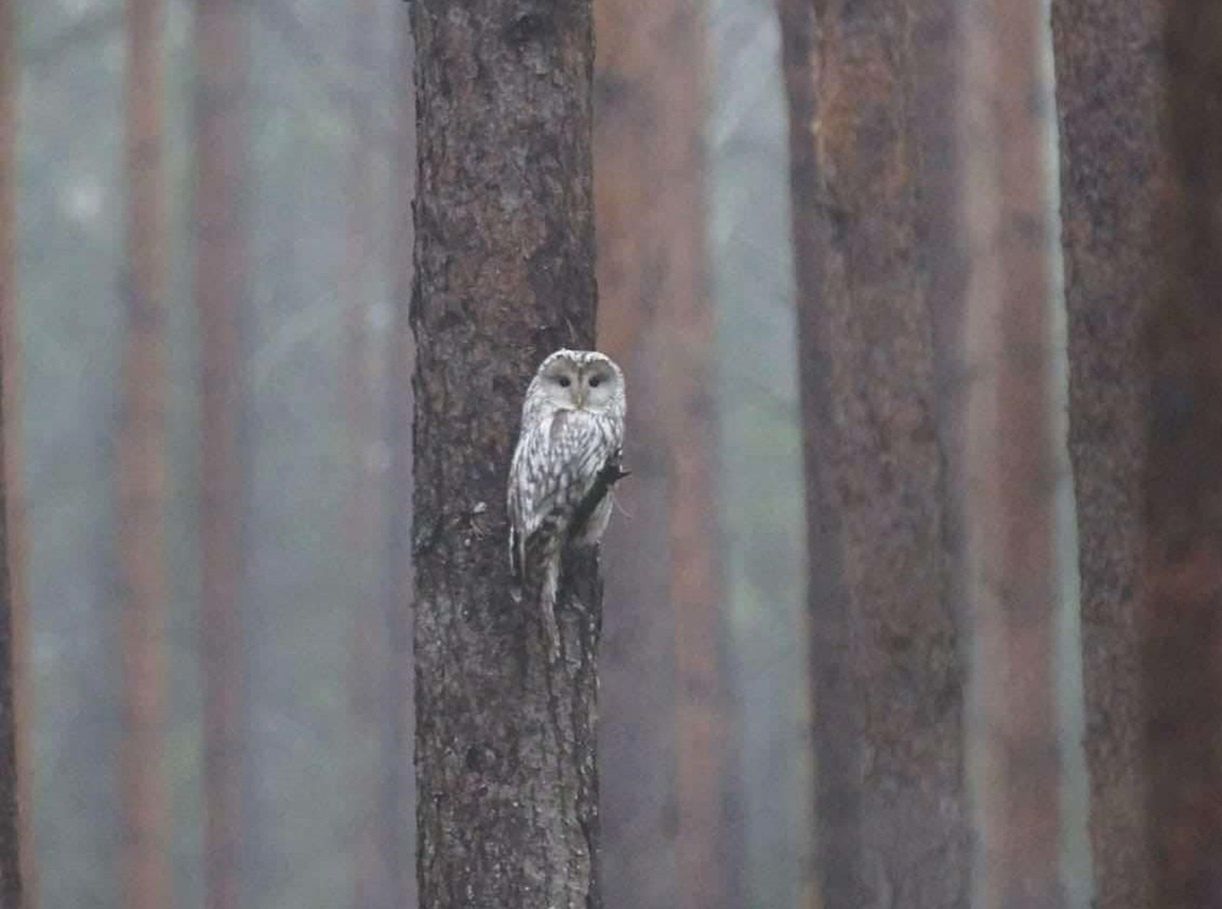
517	534
530	493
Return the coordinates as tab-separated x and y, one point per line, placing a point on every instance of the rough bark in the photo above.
507	804
888	667
649	153
1011	452
1141	253
1113	181
11	890
1183	494
1141	173
141	461
220	288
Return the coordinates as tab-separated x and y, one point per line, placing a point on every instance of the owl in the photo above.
572	426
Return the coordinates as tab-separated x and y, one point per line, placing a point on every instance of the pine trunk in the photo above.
220	288
508	790
1011	452
649	154
1114	180
141	461
11	792
1141	171
870	87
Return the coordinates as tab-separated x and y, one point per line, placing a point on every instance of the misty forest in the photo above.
911	592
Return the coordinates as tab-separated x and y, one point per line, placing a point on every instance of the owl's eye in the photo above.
595	381
564	381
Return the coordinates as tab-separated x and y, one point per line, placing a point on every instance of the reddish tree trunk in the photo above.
1011	452
220	276
14	890
869	87
142	472
658	318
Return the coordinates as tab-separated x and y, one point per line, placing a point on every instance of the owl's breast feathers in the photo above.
555	465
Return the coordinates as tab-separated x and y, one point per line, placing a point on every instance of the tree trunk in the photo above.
11	826
1141	173
399	789
637	752
220	276
1113	185
869	87
649	153
142	473
504	274
1011	452
365	518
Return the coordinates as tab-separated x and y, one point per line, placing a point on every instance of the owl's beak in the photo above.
581	399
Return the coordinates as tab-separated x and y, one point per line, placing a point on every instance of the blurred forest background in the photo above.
323	426
912	599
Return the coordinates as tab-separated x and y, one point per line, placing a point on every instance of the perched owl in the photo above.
572	425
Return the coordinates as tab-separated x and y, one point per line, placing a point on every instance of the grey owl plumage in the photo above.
572	425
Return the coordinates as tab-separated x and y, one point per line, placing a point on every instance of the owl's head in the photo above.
579	380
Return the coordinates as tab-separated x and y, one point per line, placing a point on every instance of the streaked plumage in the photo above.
572	424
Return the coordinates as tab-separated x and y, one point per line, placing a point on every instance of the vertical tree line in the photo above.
888	661
142	480
221	102
657	316
364	498
13	890
922	229
398	804
1008	485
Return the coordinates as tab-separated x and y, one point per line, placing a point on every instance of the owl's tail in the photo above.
547	604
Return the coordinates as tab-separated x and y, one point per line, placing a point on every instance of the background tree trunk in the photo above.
365	515
11	890
504	274
888	676
1011	452
1141	174
220	276
141	460
399	784
658	316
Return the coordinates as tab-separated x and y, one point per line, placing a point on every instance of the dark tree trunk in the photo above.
11	891
1114	178
658	316
869	84
1139	86
504	274
220	287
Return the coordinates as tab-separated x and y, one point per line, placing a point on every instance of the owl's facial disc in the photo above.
561	381
597	385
